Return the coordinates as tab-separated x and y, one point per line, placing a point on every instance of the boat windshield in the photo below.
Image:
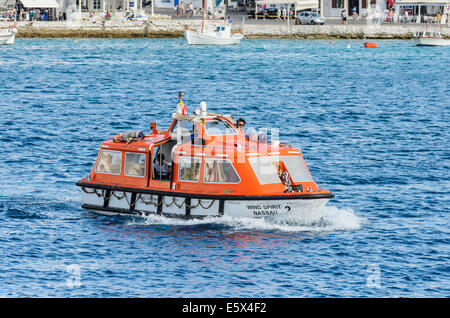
267	174
219	127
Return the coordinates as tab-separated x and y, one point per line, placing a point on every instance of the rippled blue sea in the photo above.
373	125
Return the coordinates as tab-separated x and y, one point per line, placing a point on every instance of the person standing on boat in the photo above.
240	124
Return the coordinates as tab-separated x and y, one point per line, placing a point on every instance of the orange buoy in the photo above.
370	44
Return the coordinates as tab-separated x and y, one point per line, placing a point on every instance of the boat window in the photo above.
189	169
218	127
110	162
220	171
264	169
162	161
267	174
135	164
296	168
182	131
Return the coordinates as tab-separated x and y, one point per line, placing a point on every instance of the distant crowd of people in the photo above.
46	15
34	15
182	9
187	9
378	16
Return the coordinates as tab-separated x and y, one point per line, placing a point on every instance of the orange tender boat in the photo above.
203	165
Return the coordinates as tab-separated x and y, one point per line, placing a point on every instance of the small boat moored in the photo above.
430	38
7	35
201	166
220	34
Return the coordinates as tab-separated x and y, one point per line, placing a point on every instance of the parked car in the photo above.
134	17
251	13
310	17
271	13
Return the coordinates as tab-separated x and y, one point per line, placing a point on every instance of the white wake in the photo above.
326	219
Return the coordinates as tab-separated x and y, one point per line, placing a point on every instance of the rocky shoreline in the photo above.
160	28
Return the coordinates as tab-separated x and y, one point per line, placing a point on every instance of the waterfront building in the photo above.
333	8
7	4
173	3
415	8
295	5
423	11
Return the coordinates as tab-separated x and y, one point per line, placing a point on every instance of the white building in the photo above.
333	8
173	3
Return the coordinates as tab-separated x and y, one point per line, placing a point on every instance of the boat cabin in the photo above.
428	34
202	153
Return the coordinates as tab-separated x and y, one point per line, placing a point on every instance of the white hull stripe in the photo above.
113	201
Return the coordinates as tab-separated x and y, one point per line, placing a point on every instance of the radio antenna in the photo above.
239	108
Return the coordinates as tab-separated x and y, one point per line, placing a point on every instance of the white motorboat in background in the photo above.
221	35
430	38
217	35
7	35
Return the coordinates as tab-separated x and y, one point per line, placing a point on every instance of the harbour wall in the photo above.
166	28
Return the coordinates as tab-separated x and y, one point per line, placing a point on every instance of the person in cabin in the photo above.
161	167
105	163
136	169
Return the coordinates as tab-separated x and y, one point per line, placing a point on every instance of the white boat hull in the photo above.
431	42
112	202
211	38
7	38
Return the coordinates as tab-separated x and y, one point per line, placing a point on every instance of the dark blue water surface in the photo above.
373	125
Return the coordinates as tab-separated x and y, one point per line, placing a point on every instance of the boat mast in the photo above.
203	17
225	13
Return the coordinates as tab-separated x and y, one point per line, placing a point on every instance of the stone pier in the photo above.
167	28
